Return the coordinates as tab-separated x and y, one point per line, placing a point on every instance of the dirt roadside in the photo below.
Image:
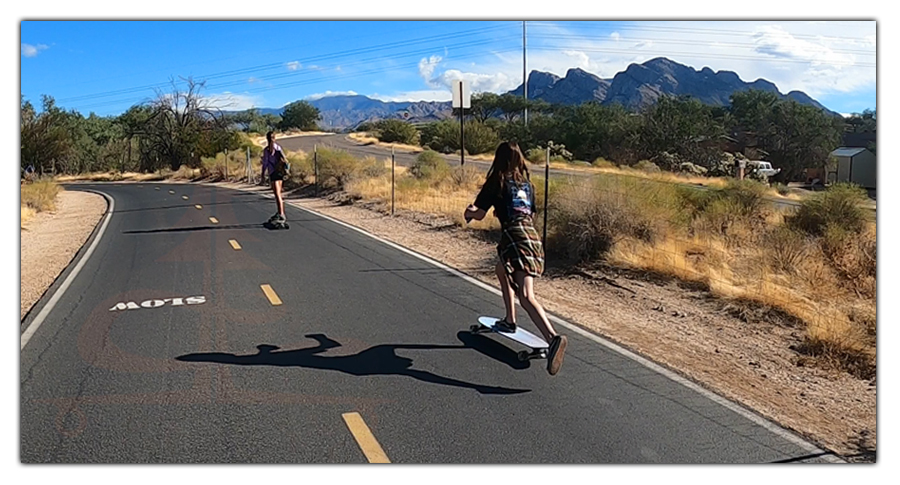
739	354
50	240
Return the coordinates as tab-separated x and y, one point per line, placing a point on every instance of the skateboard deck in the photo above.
522	336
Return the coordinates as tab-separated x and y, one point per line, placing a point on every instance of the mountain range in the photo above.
639	85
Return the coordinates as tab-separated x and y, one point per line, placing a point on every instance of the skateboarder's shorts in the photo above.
520	248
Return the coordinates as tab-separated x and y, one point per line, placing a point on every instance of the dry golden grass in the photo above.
26	214
40	195
365	138
111	177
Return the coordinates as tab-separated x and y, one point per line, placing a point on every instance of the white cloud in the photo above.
327	94
293	65
252	80
426	95
29	50
615	36
581	59
426	68
233	102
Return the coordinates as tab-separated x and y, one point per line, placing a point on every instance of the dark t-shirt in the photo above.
491	195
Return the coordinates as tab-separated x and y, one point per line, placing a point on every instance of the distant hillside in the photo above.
639	85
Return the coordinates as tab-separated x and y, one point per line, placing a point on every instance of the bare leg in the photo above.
509	299
276	186
531	305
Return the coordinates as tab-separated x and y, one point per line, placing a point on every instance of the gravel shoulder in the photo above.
50	240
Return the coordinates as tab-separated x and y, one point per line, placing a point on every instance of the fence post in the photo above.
247	171
226	165
316	167
392	180
546	199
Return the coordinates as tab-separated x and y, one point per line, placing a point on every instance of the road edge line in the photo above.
39	319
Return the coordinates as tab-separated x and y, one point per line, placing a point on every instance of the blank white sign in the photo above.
466	93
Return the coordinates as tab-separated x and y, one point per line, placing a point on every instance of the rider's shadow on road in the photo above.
377	360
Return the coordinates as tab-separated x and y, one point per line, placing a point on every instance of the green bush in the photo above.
370	167
429	165
397	131
536	155
336	167
786	248
838	206
443	136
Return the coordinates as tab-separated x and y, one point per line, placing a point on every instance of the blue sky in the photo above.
106	66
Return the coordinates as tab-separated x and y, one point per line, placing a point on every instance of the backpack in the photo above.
518	199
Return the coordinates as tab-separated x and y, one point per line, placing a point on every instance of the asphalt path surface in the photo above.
166	348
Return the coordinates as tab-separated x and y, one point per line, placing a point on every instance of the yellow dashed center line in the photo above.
157	188
234	244
271	295
198	206
184	197
171	191
213	220
364	437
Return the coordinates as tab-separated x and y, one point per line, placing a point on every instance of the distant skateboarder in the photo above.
274	163
509	191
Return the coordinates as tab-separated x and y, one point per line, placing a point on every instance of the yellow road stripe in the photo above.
365	439
270	294
234	244
184	197
198	206
213	220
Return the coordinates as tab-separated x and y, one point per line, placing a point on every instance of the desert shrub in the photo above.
336	167
466	176
429	165
536	155
691	169
601	162
370	167
738	208
588	219
786	248
443	136
838	206
397	131
646	166
40	195
781	188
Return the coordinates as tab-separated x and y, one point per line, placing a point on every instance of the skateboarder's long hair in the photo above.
508	162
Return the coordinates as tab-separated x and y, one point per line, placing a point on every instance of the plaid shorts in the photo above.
520	248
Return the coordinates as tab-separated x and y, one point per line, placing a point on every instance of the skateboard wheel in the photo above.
523	356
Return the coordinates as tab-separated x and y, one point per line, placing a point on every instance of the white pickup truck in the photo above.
764	168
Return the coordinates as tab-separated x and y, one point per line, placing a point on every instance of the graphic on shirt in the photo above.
518	200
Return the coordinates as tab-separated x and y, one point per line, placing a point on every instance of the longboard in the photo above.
537	345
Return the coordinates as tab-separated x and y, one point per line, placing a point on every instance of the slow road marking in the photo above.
198	206
364	438
234	244
271	295
213	220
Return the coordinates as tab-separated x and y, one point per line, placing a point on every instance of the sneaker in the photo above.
504	326
274	216
556	353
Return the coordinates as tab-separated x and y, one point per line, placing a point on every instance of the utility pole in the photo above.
524	73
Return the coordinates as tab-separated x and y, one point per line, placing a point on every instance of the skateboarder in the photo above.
509	191
273	162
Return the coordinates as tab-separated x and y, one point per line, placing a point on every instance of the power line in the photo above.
682	42
269	66
653	28
700	55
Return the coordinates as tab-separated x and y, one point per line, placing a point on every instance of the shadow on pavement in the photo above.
377	360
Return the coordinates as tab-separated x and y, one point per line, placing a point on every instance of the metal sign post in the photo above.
546	197
462	98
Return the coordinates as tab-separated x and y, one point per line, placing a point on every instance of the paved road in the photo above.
165	348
